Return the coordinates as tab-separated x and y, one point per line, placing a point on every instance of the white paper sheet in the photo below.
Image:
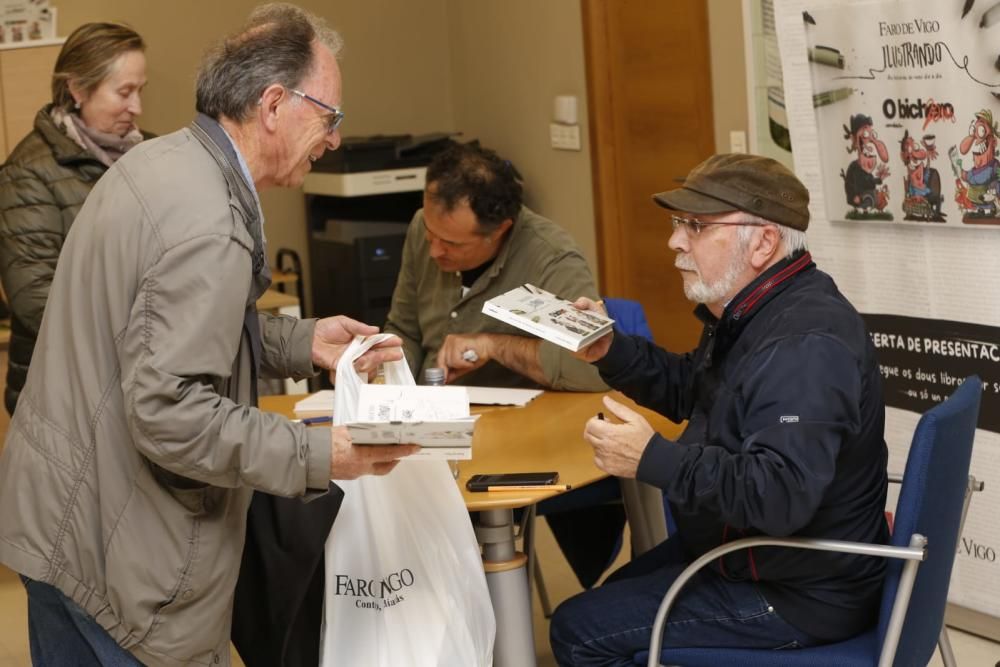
501	396
321	401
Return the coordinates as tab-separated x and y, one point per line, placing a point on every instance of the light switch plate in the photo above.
564	137
737	141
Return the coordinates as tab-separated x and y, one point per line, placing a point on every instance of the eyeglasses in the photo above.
694	227
335	117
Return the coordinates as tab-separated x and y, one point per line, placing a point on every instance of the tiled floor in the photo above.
970	651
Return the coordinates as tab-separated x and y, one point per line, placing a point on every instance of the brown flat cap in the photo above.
739	182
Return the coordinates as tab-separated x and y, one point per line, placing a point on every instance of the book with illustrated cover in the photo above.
545	315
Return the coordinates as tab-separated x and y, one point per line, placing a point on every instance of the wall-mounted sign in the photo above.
26	21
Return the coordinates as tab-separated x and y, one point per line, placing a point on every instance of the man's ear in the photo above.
270	105
502	229
766	247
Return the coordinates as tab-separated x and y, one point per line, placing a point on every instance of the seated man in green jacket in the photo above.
474	240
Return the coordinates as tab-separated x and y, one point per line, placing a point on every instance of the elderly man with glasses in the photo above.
785	418
136	446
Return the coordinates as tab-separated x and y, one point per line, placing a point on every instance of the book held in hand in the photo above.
545	315
436	418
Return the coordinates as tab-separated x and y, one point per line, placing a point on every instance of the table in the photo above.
272	301
547	434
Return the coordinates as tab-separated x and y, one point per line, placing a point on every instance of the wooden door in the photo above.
650	99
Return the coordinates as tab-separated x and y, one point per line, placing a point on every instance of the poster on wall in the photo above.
924	360
893	111
765	90
23	21
907	99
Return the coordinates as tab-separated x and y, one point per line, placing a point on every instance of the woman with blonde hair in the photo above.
99	75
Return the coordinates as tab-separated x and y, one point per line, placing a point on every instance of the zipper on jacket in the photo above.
710	344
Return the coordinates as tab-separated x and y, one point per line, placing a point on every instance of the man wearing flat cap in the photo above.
784	436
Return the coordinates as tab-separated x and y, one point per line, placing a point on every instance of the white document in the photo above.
545	315
314	404
501	396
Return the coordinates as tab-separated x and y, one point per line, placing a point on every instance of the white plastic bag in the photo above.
404	575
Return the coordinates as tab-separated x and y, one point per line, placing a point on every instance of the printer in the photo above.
359	202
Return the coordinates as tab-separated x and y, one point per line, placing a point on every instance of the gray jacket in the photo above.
130	462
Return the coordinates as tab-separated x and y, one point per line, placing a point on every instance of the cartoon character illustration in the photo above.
922	185
863	182
977	189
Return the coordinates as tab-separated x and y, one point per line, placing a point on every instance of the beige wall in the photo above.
396	67
729	88
510	59
488	68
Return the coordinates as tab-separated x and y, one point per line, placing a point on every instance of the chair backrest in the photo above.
629	317
930	503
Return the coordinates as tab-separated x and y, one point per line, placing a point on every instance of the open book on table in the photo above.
545	315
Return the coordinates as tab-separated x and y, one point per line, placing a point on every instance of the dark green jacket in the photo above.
428	303
43	184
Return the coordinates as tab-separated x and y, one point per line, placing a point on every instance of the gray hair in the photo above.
273	46
794	240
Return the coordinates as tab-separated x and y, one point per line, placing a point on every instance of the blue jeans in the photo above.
63	634
608	625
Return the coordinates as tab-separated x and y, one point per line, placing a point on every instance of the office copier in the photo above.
359	201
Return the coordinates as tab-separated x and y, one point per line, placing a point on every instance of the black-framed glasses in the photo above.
694	226
333	119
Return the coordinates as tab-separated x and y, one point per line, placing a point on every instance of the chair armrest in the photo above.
916	551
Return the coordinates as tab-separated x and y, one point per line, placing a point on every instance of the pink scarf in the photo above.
104	146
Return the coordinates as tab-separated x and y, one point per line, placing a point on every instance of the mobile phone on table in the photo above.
484	482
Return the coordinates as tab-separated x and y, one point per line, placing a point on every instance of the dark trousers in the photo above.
62	634
608	625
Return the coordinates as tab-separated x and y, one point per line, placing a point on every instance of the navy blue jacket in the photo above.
785	414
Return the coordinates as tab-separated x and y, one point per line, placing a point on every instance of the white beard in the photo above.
721	290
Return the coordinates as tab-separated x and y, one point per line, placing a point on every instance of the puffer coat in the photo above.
43	184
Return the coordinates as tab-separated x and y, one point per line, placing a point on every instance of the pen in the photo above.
831	96
314	420
533	487
826	55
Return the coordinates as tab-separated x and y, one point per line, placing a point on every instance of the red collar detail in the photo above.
781	276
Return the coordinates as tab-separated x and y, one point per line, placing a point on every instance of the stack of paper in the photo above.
501	396
437	418
545	315
319	404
